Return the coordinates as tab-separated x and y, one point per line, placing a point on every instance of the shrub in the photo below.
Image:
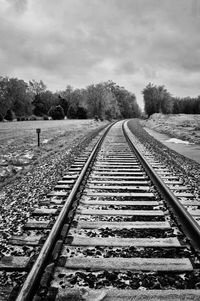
56	112
108	115
1	117
32	117
45	117
9	115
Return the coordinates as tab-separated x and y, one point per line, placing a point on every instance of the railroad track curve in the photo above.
126	229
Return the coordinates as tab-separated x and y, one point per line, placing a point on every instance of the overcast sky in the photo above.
80	42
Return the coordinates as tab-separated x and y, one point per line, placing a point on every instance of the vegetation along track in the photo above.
127	229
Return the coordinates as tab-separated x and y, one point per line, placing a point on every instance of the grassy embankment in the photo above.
181	126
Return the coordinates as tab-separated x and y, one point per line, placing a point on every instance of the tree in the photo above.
63	103
176	105
186	105
126	101
56	112
44	101
72	112
15	96
81	113
20	96
150	100
111	109
38	90
101	102
5	101
157	100
165	99
104	100
93	99
197	105
76	97
37	87
65	98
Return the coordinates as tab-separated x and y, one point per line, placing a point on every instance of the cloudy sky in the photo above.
80	42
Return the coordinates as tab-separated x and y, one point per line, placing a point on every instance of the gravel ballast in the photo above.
188	169
20	196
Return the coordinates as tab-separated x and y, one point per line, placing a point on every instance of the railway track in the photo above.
123	227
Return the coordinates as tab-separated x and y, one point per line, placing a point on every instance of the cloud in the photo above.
16	6
80	42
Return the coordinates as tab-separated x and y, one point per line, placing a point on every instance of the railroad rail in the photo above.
126	228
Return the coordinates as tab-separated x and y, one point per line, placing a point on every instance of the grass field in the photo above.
18	141
49	128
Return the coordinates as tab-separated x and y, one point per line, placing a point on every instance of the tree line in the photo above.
27	101
158	100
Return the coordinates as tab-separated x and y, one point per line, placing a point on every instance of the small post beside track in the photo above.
38	131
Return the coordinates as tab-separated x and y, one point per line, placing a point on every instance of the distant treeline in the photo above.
158	100
26	101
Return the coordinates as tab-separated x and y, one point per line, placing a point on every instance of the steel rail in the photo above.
190	227
26	292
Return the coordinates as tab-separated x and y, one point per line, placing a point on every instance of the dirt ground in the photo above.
18	142
181	126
